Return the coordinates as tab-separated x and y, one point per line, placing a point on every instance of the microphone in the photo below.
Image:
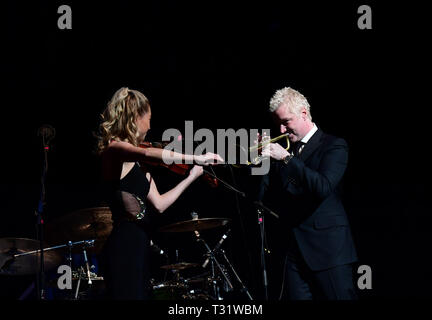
195	217
157	249
47	133
216	248
206	262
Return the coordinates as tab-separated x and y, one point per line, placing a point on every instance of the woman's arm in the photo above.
162	201
126	152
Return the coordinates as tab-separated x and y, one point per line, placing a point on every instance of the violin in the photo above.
178	168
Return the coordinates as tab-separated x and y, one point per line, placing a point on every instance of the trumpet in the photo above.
258	159
272	140
254	151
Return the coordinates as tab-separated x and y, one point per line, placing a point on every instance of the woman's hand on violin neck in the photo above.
196	171
208	159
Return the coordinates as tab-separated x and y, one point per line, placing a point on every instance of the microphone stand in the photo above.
262	251
39	224
47	132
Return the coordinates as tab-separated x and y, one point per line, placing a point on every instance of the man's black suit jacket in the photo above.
309	203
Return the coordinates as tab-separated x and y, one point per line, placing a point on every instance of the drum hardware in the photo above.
155	248
210	258
20	256
201	224
219	275
84	275
90	223
243	287
170	290
178	290
196	294
227	285
179	266
194	280
195	225
94	223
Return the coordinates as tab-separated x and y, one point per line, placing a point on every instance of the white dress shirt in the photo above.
307	137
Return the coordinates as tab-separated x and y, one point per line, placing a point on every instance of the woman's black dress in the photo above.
126	254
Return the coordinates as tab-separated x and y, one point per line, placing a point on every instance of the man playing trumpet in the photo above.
307	179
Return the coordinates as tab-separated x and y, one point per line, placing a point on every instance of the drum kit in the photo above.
21	256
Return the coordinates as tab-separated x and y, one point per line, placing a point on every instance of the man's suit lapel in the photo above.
311	146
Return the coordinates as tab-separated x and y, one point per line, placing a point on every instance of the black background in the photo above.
218	64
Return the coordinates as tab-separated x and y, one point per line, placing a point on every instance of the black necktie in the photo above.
297	147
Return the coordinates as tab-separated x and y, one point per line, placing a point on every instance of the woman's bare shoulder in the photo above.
124	151
115	144
116	147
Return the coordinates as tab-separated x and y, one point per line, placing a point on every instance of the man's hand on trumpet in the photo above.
272	150
275	151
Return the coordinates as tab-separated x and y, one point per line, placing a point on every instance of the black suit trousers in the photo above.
301	283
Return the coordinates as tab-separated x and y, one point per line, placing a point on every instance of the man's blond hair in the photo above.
292	99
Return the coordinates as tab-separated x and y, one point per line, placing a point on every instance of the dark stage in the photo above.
218	64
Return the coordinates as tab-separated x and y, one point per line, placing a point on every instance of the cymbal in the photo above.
179	266
90	223
27	264
195	225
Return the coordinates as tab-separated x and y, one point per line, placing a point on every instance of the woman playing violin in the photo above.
125	123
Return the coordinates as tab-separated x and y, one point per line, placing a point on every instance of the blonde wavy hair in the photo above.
293	99
118	120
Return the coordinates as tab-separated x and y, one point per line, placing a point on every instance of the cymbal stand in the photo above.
69	257
86	244
70	244
87	264
78	286
243	287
